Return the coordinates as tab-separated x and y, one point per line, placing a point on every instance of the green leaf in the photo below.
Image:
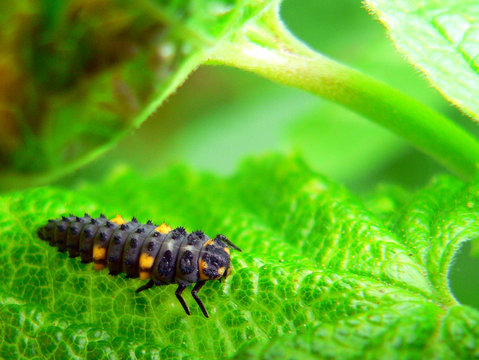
79	75
319	275
441	39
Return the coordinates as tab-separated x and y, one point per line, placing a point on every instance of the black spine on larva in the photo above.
87	236
117	245
151	246
133	249
60	237
106	235
188	254
164	267
73	235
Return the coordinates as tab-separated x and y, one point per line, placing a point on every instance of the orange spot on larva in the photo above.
118	220
163	228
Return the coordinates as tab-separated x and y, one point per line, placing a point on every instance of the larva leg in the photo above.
194	292
145	287
182	301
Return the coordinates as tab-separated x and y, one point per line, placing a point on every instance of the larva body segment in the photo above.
159	253
134	251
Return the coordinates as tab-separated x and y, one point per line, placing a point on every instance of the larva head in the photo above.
214	261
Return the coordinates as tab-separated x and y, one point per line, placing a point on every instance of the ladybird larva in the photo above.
148	251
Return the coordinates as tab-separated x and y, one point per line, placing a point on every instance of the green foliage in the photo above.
79	75
320	275
441	39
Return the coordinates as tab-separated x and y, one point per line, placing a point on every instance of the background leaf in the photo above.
319	273
79	75
441	39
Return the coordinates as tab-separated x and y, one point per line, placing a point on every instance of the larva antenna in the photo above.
227	242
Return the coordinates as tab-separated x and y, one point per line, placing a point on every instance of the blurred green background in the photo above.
242	114
220	115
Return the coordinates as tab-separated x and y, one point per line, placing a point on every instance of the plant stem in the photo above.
290	62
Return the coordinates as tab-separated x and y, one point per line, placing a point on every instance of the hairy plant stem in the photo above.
267	48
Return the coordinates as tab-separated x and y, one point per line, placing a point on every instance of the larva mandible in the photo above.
148	251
